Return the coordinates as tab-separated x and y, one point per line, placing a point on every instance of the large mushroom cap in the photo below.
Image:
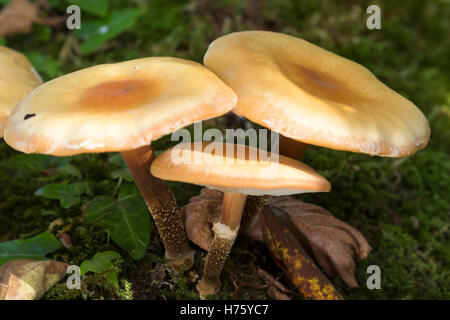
216	166
312	95
17	79
116	107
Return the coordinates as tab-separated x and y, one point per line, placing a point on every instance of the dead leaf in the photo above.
29	279
158	275
203	210
276	289
65	240
200	214
57	222
334	244
293	259
18	17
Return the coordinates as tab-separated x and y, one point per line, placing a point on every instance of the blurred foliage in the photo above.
400	205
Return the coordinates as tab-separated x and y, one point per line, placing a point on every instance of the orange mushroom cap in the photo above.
217	166
116	107
315	96
17	79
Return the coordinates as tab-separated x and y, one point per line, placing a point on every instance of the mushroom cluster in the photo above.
308	95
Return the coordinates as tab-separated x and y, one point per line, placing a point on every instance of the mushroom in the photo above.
237	175
17	79
312	96
123	107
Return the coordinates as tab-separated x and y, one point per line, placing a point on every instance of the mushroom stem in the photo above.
162	206
291	148
225	232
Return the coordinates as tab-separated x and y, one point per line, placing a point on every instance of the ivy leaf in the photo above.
67	194
123	173
96	33
102	263
35	248
117	160
68	169
32	163
97	8
125	219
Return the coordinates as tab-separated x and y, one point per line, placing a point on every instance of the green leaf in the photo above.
30	162
116	159
101	262
97	8
125	219
112	277
97	33
67	194
123	173
35	248
45	64
68	169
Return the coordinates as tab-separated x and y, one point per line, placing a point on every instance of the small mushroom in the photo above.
311	96
123	107
17	79
236	175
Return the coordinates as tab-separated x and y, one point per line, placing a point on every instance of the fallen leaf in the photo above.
200	214
57	222
29	279
65	240
334	244
18	17
203	210
276	289
290	256
158	275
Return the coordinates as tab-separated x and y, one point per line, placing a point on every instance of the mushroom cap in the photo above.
17	79
116	107
236	168
315	96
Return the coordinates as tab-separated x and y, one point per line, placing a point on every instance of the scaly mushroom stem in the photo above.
225	232
162	206
253	206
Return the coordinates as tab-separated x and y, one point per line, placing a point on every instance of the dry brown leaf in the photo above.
292	258
29	279
200	214
158	275
65	240
203	210
18	17
276	289
334	244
